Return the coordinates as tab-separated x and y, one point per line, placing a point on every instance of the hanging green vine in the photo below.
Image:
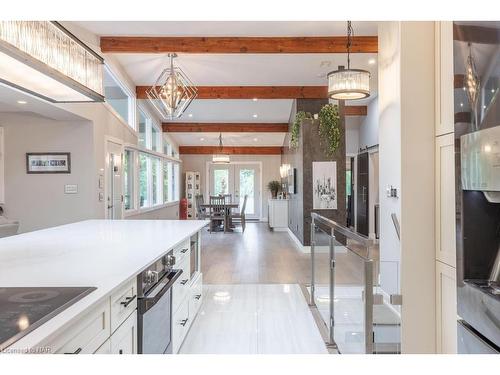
330	130
295	133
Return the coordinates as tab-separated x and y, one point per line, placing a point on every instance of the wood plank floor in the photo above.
266	257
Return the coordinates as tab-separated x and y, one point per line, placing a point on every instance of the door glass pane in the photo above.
221	181
247	187
128	171
143	181
166	167
155	139
155	165
142	129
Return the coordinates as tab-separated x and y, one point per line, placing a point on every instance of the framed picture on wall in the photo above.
45	162
324	185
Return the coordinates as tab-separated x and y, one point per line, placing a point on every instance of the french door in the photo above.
238	180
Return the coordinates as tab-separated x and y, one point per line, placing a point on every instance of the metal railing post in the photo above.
332	286
312	301
369	306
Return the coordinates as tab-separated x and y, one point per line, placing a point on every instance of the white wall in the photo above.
389	101
406	161
352	126
38	200
369	127
270	171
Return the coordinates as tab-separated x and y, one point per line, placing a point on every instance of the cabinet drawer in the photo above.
181	286
181	251
124	339
179	325
123	303
196	298
85	336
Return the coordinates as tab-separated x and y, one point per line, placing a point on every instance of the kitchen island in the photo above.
106	255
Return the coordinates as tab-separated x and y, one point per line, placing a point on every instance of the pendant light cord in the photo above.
350	32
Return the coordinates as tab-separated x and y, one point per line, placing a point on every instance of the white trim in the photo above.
143	210
120	119
132	101
259	163
119	142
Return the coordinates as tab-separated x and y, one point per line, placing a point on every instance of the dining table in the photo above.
229	222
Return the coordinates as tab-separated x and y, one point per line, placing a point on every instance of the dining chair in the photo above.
240	216
217	211
202	212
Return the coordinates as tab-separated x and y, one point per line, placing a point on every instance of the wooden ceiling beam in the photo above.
319	44
236	127
476	34
241	150
251	92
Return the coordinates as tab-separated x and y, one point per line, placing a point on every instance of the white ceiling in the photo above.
9	98
246	69
233	28
238	69
229	139
237	110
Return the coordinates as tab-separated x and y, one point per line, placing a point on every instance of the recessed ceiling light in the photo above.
492	90
461	104
255	115
372	61
190	115
22	102
255	139
255	99
202	139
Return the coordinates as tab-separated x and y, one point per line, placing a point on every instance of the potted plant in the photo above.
274	187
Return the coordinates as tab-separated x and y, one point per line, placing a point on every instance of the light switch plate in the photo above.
70	189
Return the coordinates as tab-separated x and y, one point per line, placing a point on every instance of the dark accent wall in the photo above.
312	149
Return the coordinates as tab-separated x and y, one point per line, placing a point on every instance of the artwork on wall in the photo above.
324	185
44	162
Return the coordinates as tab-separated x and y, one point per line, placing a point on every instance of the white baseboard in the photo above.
280	229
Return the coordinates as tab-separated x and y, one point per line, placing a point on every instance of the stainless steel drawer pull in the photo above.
77	351
128	300
184	282
184	322
198	296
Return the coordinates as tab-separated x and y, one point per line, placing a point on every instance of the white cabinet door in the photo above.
446	309
124	340
445	200
444	78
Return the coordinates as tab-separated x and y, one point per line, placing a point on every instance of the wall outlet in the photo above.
391	192
70	189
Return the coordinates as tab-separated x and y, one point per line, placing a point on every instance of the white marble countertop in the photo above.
94	253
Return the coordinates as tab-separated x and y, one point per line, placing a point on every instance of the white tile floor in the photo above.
254	319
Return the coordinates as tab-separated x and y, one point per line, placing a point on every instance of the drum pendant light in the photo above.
349	84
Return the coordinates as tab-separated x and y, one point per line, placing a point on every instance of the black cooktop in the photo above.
24	309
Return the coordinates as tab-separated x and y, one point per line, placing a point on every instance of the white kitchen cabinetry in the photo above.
445	209
446	309
444	78
124	339
86	335
278	214
187	291
445	200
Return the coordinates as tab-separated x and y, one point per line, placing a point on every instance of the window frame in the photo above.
131	101
173	196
